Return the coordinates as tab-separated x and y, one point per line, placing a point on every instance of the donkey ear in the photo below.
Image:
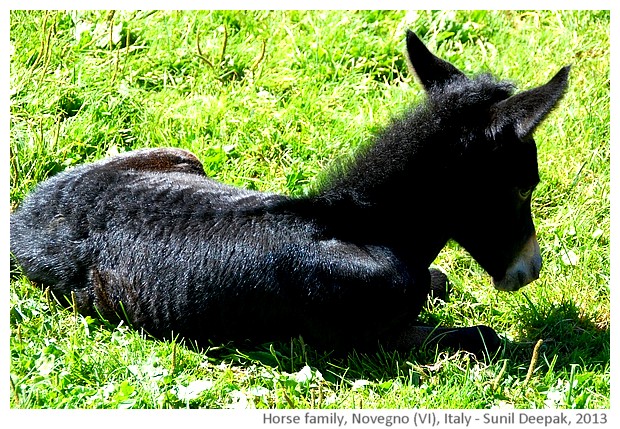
430	69
524	111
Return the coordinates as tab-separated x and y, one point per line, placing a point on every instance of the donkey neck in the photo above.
393	193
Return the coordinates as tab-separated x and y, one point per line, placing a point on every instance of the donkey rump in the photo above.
146	235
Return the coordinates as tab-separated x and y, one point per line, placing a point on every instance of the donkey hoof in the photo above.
482	340
439	284
479	340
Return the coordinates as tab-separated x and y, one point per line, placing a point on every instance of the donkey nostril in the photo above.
535	272
522	279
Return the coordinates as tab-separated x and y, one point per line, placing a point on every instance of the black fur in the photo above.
147	236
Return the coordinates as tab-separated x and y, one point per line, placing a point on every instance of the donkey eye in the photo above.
524	193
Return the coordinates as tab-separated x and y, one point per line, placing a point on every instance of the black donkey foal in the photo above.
146	236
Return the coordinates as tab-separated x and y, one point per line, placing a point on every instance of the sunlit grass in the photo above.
268	100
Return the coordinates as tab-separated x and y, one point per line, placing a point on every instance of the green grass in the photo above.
268	100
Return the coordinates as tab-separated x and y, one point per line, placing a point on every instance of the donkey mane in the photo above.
446	110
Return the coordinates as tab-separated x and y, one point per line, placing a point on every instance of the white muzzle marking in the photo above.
524	269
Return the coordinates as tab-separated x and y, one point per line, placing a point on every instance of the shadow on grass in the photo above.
568	336
335	367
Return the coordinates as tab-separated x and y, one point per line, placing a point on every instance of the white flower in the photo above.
305	375
570	258
358	384
193	389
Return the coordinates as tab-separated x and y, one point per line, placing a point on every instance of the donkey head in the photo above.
490	165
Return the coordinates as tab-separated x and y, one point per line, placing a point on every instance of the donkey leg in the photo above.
479	340
439	284
157	160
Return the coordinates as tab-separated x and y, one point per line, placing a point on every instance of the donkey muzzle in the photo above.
524	269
